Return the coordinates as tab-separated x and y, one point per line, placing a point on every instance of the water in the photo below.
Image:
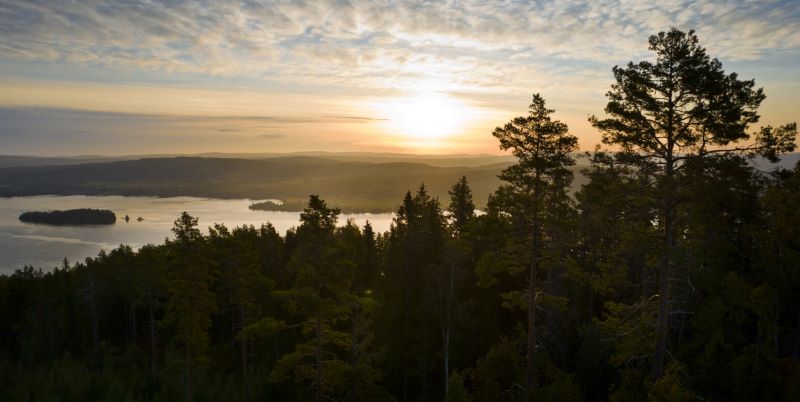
45	246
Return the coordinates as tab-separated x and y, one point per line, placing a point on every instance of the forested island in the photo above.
671	274
276	206
81	216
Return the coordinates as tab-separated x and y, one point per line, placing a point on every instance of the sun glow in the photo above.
427	117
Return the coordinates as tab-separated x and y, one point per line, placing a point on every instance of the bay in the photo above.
45	246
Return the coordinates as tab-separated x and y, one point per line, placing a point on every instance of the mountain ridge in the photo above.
351	185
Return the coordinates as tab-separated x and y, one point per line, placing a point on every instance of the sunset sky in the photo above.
421	77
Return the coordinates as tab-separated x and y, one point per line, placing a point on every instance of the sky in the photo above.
433	77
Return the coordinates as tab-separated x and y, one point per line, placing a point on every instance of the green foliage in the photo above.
499	375
633	386
461	207
547	296
672	117
669	388
535	201
457	391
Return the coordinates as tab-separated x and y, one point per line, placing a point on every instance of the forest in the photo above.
369	185
671	274
81	216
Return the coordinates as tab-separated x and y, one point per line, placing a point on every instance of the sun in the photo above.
424	116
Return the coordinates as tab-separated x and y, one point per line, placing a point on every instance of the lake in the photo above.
45	246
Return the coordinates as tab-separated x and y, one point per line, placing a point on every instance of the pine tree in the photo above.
415	244
245	284
320	297
682	106
149	283
613	284
448	274
191	300
536	201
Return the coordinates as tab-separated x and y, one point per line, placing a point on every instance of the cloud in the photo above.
60	131
354	118
175	71
272	136
459	46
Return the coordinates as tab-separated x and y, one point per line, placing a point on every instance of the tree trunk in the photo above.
354	348
406	301
318	375
189	396
354	342
665	274
133	324
318	396
446	330
424	373
94	318
534	267
797	339
153	368
446	345
243	342
662	323
48	329
531	343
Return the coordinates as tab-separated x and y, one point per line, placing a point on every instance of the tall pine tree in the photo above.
682	106
535	200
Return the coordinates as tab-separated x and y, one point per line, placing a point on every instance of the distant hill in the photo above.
25	161
351	185
454	160
352	181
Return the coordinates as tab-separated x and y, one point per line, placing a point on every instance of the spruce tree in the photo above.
461	208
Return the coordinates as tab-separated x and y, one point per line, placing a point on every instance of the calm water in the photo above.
44	246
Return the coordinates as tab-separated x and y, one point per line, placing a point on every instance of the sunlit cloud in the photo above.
303	60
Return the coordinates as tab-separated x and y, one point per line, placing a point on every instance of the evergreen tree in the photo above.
191	300
322	299
413	245
244	284
149	283
461	207
536	201
612	281
448	275
680	107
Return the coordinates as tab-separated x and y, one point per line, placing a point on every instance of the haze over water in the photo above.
45	246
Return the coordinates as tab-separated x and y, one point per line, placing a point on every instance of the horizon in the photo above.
390	200
299	153
119	79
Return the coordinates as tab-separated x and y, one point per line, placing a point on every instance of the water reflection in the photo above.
45	246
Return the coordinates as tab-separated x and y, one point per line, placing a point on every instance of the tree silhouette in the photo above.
535	198
191	301
682	106
461	208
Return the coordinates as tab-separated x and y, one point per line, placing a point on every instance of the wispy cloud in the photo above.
228	71
467	45
58	131
272	136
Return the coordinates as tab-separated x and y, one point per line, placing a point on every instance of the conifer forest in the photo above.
672	274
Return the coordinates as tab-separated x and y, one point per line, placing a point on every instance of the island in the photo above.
82	216
272	205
